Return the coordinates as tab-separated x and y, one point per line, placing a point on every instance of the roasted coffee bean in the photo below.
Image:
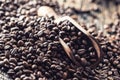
118	66
14	51
25	63
40	33
20	43
84	42
27	78
13	60
17	68
1	63
65	74
7	47
81	51
50	26
116	62
12	65
22	76
66	39
27	71
62	33
34	66
77	57
83	61
17	78
109	72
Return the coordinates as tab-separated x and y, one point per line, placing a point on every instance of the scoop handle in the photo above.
46	11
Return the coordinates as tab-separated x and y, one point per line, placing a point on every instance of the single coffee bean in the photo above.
27	71
1	63
92	54
40	33
109	72
6	61
13	60
116	62
7	47
81	51
77	57
34	66
25	63
84	42
83	61
10	72
14	51
17	78
18	73
14	28
7	54
17	68
118	66
27	78
66	39
65	74
20	43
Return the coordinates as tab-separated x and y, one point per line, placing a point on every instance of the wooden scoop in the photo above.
47	11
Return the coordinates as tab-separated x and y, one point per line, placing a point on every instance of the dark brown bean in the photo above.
20	43
81	51
13	60
83	61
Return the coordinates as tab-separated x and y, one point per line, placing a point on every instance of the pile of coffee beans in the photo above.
110	44
30	48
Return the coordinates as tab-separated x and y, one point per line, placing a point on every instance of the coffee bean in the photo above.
20	43
11	72
83	61
32	76
14	28
81	51
84	42
65	75
17	78
1	63
92	54
18	73
50	26
39	74
34	66
27	71
22	76
110	73
118	66
62	33
30	49
27	78
40	33
17	68
77	57
58	67
13	60
6	61
116	62
7	47
47	74
12	65
66	39
14	51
